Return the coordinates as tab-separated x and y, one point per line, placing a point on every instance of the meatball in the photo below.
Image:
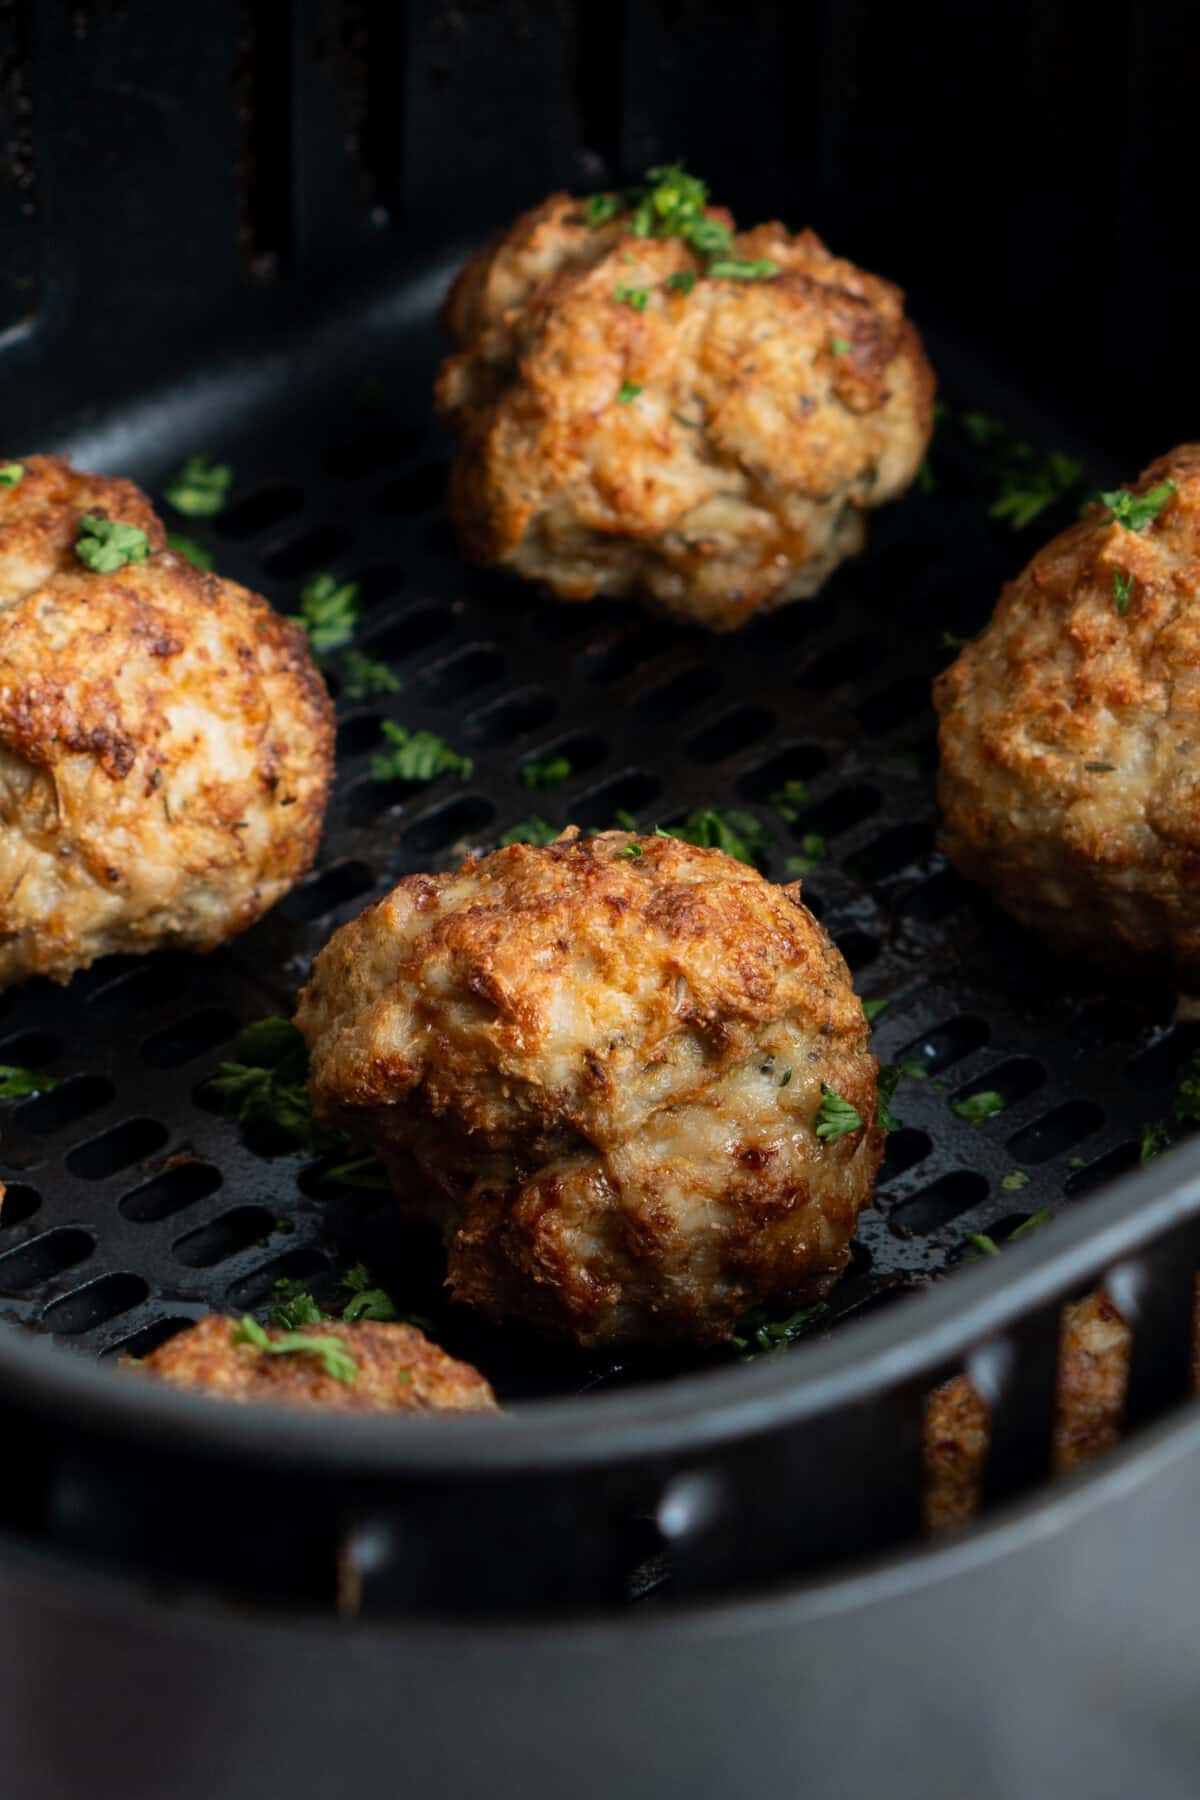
1070	732
610	1069
396	1368
166	744
634	422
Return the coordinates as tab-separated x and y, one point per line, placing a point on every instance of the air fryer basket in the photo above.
229	232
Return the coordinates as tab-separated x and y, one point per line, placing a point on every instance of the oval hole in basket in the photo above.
463	674
415	631
131	1141
1106	1168
142	1342
356	736
1013	1080
1056	1131
266	506
251	1290
583	752
1157	1070
931	900
366	452
95	1304
682	694
44	1257
843	664
224	1237
943	1200
378	583
799	762
905	1148
894	853
169	1192
734	732
417	492
309	553
905	700
631	792
511	717
72	1100
840	811
463	818
947	1043
30	1049
335	887
612	658
20	1203
859	949
191	1037
138	990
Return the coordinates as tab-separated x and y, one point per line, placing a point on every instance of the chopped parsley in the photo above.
533	830
201	488
107	544
265	1083
1153	1139
984	1245
633	852
890	1077
365	676
735	268
11	474
600	208
547	773
738	834
16	1083
628	390
839	346
1136	511
873	1008
328	612
417	756
758	1334
836	1118
293	1306
1017	1178
978	1107
366	1302
952	642
636	297
1122	590
625	819
336	1361
190	550
813	852
683	281
788	799
1027	481
1187	1099
357	1172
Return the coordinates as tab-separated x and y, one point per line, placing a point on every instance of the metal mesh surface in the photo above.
134	1205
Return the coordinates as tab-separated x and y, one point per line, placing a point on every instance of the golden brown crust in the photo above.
166	744
1093	1372
1070	737
399	1370
600	1072
737	478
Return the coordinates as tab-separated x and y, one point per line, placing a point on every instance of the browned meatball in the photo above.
634	422
1070	732
601	1066
166	744
395	1368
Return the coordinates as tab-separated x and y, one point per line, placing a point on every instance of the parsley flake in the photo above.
16	1082
813	852
190	550
636	297
788	799
738	834
201	488
836	1118
839	346
952	642
633	852
1136	511
533	830
1187	1099
735	268
758	1334
978	1107
328	612
366	1302
548	773
600	208
336	1361
108	544
365	676
1153	1139
293	1306
873	1008
1034	1222
890	1077
417	756
11	473
1017	1178
985	1245
683	281
628	390
265	1082
1122	590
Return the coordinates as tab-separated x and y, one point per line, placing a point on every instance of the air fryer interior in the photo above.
274	305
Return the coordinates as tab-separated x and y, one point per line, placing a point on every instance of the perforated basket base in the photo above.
133	1205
